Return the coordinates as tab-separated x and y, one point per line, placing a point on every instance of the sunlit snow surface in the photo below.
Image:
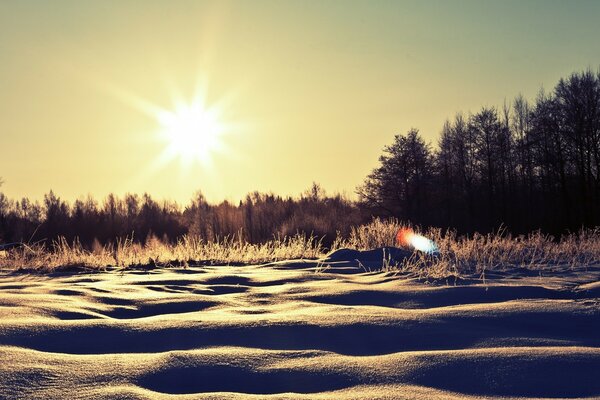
311	330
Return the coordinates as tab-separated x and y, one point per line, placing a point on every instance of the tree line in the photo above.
257	218
528	165
525	166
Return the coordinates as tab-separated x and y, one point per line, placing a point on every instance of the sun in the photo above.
191	131
195	131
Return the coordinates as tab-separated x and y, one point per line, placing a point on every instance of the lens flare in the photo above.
406	237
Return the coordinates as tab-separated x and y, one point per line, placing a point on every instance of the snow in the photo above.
311	329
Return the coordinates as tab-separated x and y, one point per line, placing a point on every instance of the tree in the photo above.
400	185
578	100
57	215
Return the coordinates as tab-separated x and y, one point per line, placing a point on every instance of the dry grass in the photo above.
457	255
187	251
479	253
535	250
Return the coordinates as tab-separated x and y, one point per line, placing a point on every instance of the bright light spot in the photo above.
406	237
191	131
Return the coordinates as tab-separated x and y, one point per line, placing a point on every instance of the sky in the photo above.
94	96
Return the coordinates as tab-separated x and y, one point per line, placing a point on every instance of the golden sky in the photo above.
300	91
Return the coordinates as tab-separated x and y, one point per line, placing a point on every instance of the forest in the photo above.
528	165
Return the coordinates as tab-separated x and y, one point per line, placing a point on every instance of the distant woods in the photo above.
258	218
528	165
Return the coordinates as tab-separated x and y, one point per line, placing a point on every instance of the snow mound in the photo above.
367	259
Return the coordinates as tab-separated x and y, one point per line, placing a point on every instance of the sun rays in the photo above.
192	131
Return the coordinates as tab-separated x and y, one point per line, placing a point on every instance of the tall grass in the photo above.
457	254
187	251
479	253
